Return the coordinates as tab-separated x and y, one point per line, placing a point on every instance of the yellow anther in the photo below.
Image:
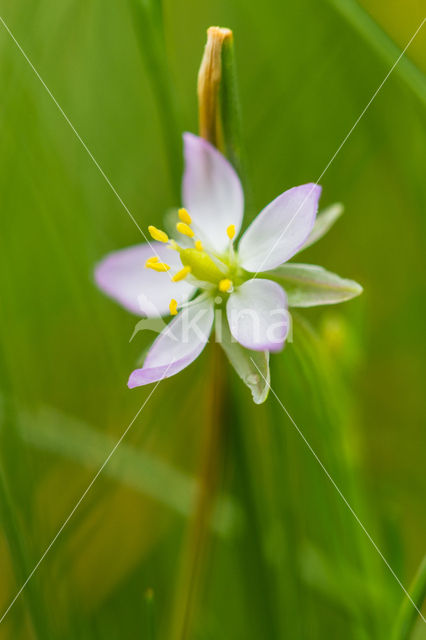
156	266
181	275
173	245
157	234
225	285
230	232
173	307
184	228
153	259
199	245
184	216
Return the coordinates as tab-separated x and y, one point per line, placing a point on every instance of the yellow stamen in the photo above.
173	245
156	266
184	216
153	259
157	234
225	285
173	307
180	275
199	245
185	229
230	232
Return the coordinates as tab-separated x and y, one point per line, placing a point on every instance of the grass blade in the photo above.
368	28
408	616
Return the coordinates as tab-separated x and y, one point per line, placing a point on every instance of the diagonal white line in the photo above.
345	139
379	88
339	491
80	500
80	139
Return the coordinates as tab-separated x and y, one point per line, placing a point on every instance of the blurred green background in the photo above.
288	560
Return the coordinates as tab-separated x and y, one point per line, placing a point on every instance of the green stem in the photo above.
149	25
191	577
14	490
252	484
408	615
219	124
332	403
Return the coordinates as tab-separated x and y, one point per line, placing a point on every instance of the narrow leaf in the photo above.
408	614
149	29
385	47
56	432
325	220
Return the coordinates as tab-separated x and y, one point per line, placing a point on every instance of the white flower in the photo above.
205	271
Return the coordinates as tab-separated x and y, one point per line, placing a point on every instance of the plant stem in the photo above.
148	20
219	124
209	479
15	489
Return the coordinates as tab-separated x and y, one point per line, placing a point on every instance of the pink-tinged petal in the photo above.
122	275
211	192
257	315
280	230
179	344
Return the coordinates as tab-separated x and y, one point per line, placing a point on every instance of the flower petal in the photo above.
246	363
257	315
323	223
122	275
280	230
307	285
212	192
179	344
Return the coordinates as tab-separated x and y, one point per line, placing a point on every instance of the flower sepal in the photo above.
323	223
251	366
308	285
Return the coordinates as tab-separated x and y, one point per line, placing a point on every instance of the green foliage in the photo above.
288	560
408	614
